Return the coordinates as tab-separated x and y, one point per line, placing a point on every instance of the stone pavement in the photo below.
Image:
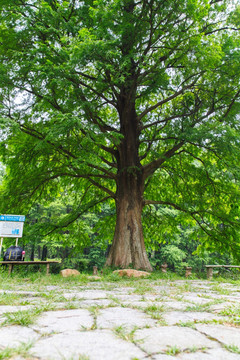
126	320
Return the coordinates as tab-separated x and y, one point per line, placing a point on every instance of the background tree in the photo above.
135	102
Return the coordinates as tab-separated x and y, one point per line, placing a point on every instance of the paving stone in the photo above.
176	317
52	288
9	308
224	334
15	335
130	298
217	308
160	338
163	357
20	292
64	333
95	302
176	305
87	294
118	316
212	354
63	321
192	299
98	345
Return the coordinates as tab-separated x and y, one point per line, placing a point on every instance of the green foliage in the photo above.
80	264
173	256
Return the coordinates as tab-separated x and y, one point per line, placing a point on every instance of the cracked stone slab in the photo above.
175	317
163	357
195	299
176	305
97	345
142	304
63	321
212	354
220	307
130	298
229	298
95	302
225	334
86	294
159	339
118	316
9	308
11	336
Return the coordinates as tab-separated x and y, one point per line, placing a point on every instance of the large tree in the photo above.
135	99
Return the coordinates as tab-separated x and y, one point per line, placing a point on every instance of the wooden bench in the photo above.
12	263
211	267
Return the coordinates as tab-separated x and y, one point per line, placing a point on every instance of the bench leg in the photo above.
48	266
209	273
10	268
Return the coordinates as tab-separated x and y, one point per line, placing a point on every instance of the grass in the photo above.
173	350
80	357
220	290
11	298
21	350
143	288
232	348
25	317
125	334
48	291
233	312
94	310
189	324
155	311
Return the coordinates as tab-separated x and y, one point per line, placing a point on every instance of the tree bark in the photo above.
128	246
44	253
32	252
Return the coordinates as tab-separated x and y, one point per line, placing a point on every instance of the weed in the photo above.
232	348
94	310
233	312
124	334
22	349
189	324
172	350
143	289
25	317
199	307
155	311
220	290
7	298
194	349
80	357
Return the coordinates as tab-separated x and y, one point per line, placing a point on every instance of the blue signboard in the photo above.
20	218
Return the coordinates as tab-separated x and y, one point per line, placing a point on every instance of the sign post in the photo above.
11	226
1	245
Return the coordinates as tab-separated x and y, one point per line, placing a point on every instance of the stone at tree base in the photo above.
132	273
69	272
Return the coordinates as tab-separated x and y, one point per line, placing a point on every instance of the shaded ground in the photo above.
124	320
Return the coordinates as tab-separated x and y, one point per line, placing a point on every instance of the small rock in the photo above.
69	272
132	273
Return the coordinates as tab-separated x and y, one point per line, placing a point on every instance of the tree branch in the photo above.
150	168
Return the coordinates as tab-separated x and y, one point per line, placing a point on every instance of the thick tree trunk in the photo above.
128	244
128	247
